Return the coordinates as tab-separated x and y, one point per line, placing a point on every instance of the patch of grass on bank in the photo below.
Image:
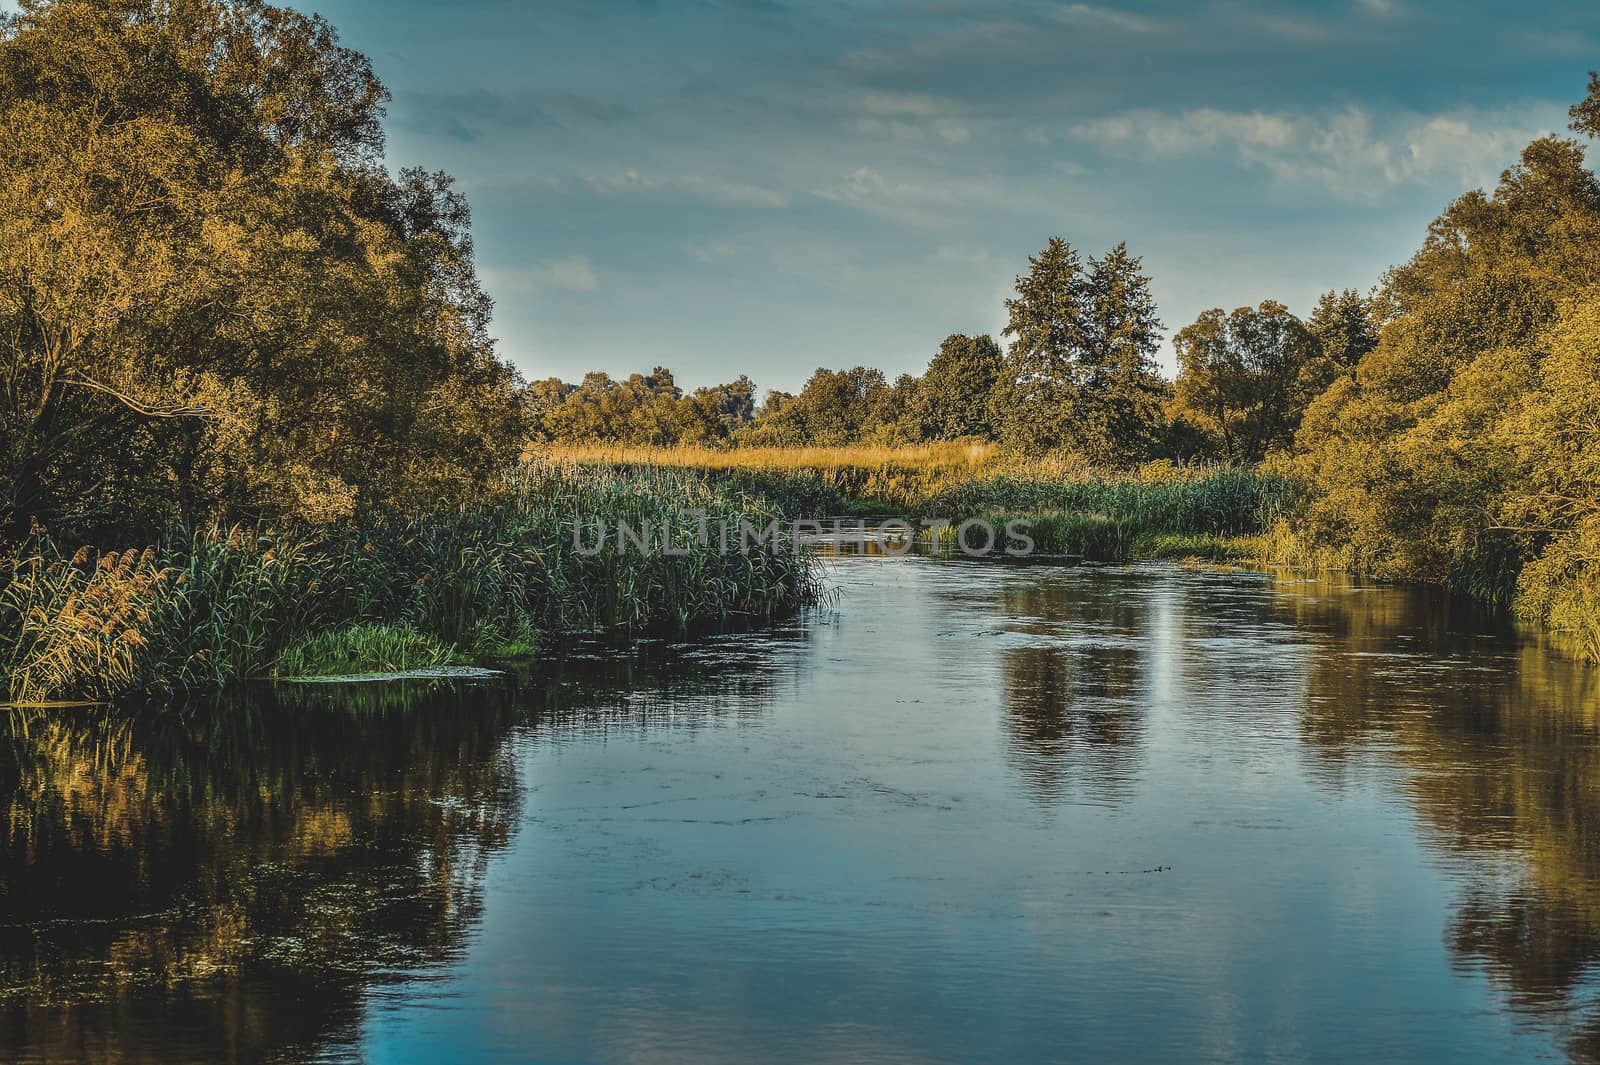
369	648
207	607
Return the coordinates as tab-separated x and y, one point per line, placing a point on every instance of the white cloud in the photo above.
1090	15
919	105
712	251
918	201
1348	153
574	273
711	190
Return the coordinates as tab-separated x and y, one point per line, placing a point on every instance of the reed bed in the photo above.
205	608
1158	509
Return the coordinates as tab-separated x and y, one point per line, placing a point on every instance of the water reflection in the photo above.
973	812
231	882
1501	741
187	884
1075	696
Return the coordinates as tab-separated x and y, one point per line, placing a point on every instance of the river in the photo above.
966	812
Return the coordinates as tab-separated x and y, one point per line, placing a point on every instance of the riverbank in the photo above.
1247	515
204	608
1161	510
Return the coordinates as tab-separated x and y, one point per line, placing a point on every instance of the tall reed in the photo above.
208	607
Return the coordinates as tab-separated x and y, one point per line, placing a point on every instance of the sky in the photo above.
770	186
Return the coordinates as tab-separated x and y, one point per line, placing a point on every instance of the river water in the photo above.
968	812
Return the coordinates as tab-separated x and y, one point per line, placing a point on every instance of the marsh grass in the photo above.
205	608
374	647
1159	509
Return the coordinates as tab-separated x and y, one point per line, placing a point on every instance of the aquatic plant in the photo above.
207	607
373	647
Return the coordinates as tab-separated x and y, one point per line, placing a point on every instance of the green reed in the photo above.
207	607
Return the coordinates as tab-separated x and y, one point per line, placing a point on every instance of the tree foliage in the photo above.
214	298
1463	447
1080	374
1245	378
958	386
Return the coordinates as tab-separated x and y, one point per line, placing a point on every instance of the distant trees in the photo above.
645	409
958	388
1081	373
1245	378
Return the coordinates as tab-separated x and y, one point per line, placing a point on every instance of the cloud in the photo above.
574	273
712	251
918	201
1089	15
1189	132
916	104
710	190
1349	153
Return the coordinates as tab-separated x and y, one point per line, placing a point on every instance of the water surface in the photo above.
970	812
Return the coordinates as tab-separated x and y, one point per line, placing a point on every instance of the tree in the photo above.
958	386
1081	373
1121	389
214	297
1586	113
1239	377
1417	475
1343	326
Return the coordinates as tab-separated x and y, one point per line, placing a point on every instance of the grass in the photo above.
812	481
373	647
208	607
1157	510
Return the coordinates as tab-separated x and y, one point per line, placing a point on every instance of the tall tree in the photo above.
1239	377
1121	390
1081	373
214	298
1343	325
1046	325
958	386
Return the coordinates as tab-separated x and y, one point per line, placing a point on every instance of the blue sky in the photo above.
768	186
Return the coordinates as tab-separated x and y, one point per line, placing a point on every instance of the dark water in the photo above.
971	813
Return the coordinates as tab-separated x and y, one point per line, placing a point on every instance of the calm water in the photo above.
971	812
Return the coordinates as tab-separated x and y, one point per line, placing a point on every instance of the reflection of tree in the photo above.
1503	747
1073	713
237	875
229	883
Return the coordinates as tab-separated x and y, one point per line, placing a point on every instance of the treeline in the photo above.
1078	376
1446	426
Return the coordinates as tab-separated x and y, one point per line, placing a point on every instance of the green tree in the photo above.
1081	371
1586	113
958	386
1343	325
215	298
1416	475
1239	377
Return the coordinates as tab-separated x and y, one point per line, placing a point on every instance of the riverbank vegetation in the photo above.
201	609
236	337
1439	428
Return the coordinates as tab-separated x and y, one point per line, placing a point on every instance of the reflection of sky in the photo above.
869	872
770	185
